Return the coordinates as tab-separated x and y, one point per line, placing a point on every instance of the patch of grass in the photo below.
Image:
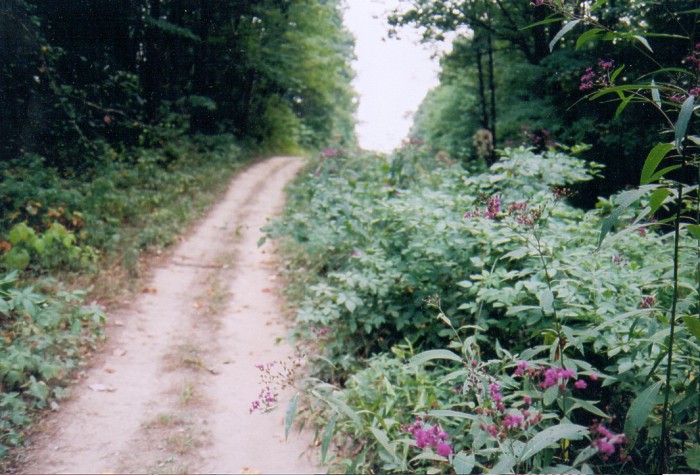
185	356
166	420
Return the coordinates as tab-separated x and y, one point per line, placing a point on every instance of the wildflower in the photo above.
443	449
429	436
593	377
607	440
554	376
520	370
580	384
647	302
527	400
512	421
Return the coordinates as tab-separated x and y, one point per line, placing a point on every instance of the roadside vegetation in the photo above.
469	308
121	123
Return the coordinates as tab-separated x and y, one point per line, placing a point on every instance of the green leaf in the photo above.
448	413
549	436
546	298
643	41
560	34
590	407
693	324
429	355
624	201
663	171
17	259
597	5
655	95
345	409
327	437
588	36
623	105
463	463
640	409
657	199
382	438
554	18
694	229
692	456
657	154
289	415
505	464
683	120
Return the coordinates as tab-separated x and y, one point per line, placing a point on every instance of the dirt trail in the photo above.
171	392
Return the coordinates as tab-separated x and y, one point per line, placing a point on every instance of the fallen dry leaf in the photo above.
118	323
110	370
119	352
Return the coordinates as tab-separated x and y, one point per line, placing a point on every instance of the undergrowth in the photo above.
63	231
477	322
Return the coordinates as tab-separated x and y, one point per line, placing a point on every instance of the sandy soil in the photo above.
172	389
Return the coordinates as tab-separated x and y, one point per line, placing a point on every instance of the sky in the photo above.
392	75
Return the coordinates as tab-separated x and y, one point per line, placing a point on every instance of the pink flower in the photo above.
512	421
580	384
443	449
593	377
527	400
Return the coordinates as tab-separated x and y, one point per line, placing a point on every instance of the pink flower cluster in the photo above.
275	376
693	59
647	302
430	436
319	331
550	377
597	76
607	440
493	207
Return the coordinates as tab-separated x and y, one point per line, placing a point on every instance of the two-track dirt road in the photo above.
172	389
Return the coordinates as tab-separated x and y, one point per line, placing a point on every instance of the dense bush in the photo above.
516	276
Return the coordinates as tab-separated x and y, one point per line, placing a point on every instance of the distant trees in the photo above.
519	90
78	74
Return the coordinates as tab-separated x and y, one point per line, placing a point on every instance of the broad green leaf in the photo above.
505	464
693	324
429	355
428	456
546	298
692	457
590	407
289	415
560	34
17	259
694	229
657	154
662	172
616	73
463	464
328	436
657	199
551	435
640	409
345	409
683	120
448	413
624	201
588	36
382	438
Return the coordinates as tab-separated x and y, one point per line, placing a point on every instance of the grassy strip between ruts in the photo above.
59	233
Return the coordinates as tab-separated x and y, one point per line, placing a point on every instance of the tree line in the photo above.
504	76
81	75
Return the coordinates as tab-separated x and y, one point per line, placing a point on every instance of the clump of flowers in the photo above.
320	331
427	436
606	441
275	377
647	302
493	207
597	76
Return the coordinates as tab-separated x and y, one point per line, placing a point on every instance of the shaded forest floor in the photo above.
172	388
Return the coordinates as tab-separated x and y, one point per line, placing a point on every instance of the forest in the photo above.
515	289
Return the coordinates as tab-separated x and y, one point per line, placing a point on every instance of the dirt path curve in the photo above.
171	392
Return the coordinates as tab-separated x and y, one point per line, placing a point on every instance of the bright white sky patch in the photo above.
393	75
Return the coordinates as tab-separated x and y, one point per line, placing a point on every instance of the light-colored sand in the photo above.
172	389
